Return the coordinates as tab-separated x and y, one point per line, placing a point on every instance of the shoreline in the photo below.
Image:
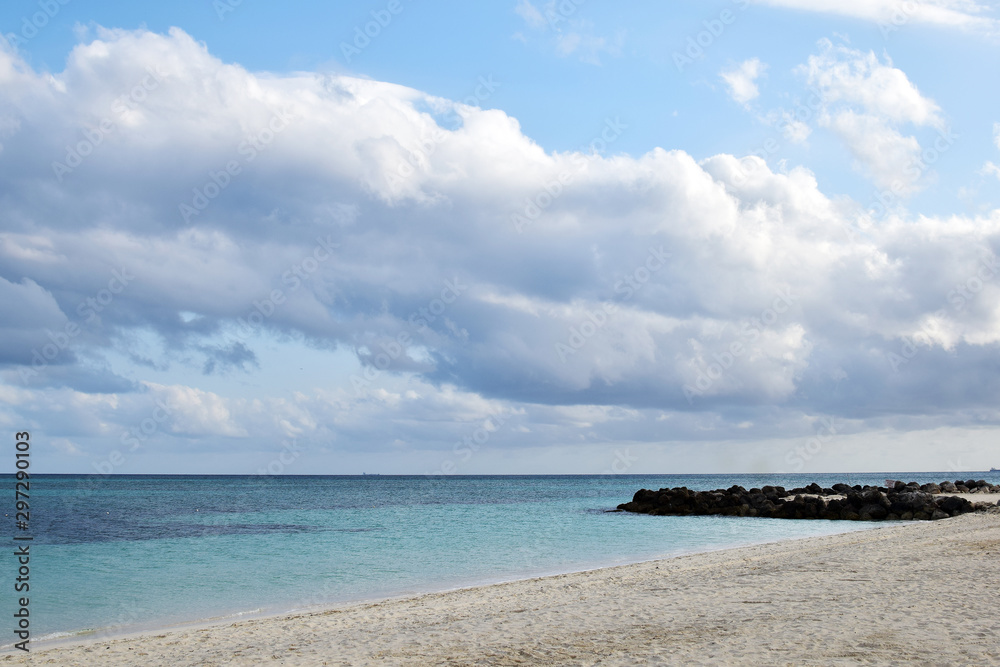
291	607
557	617
89	637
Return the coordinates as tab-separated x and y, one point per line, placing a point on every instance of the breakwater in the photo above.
898	501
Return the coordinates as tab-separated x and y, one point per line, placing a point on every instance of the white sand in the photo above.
925	593
992	498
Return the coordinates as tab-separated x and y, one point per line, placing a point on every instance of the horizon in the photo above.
464	475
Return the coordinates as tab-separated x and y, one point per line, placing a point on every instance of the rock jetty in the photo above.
903	501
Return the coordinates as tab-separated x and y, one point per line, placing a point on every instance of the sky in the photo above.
514	236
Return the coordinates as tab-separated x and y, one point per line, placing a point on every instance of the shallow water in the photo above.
122	553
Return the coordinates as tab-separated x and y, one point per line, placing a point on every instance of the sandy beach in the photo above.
918	594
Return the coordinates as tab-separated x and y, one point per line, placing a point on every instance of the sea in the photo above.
113	555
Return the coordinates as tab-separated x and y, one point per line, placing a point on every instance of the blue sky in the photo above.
501	237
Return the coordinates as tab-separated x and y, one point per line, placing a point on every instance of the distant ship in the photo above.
994	469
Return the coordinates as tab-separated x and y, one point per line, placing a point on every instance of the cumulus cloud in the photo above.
860	79
741	80
336	211
866	102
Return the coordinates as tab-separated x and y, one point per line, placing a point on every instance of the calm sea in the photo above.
125	553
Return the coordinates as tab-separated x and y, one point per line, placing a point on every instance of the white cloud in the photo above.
795	130
879	149
568	34
760	261
530	14
859	79
866	102
589	47
741	80
893	14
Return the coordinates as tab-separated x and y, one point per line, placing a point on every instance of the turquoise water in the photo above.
123	553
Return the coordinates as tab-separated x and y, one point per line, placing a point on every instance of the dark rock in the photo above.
911	501
868	503
873	512
873	495
952	504
937	515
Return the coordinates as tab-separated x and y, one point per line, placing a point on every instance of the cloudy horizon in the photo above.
650	241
